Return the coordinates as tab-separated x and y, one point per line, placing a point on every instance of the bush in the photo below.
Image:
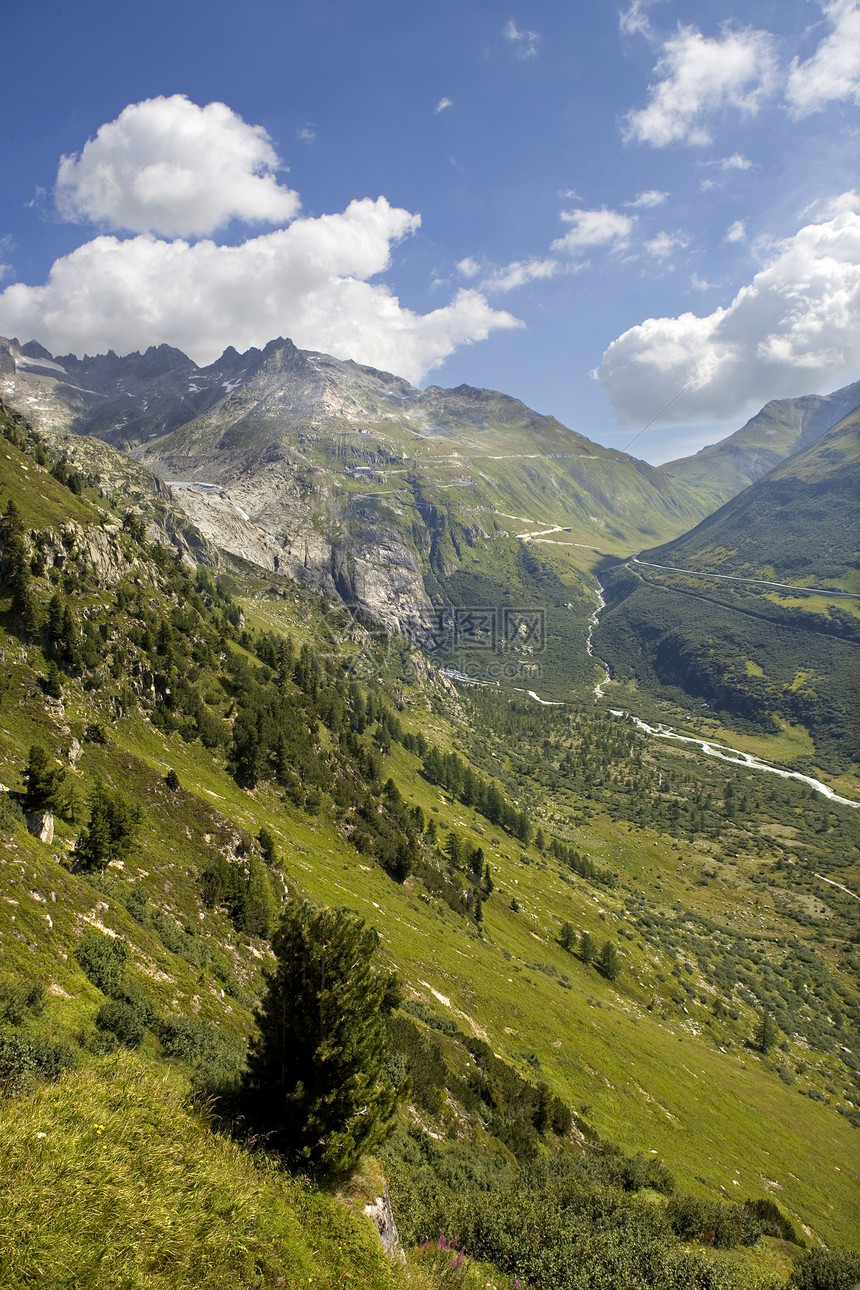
17	1064
713	1222
826	1270
103	958
772	1221
216	1055
178	941
11	813
20	1000
23	1058
559	1222
137	905
123	1020
51	1057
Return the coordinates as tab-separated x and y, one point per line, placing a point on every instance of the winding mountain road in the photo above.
759	582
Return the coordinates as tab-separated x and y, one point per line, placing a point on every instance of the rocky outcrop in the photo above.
41	825
380	1213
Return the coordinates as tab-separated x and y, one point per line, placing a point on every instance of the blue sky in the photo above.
600	209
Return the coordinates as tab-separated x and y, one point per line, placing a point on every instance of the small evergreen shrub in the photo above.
216	1054
122	1020
103	958
11	813
712	1222
826	1270
772	1221
51	1057
177	940
17	1064
21	999
137	905
25	1057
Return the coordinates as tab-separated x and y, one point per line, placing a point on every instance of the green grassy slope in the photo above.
109	1180
645	1063
798	525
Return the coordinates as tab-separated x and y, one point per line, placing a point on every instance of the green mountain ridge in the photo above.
757	609
782	428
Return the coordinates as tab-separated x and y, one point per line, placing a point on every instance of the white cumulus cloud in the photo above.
591	228
833	71
699	77
307	281
736	232
794	329
443	104
737	161
468	266
168	166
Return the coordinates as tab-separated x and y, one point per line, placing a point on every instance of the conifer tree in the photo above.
608	963
766	1032
45	780
476	861
261	905
268	847
52	682
112	829
316	1080
16	568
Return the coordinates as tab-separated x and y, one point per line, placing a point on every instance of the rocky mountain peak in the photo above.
34	350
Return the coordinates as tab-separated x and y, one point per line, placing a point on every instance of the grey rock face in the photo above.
381	1215
41	825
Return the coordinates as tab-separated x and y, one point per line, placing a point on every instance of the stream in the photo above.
589	643
734	756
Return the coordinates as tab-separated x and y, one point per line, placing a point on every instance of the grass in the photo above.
110	1182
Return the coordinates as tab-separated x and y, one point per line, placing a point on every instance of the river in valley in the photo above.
733	755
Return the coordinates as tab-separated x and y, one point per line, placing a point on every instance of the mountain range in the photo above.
408	506
347	478
625	966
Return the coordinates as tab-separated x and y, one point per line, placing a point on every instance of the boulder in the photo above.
41	825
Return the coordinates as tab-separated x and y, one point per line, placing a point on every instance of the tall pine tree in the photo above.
316	1080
